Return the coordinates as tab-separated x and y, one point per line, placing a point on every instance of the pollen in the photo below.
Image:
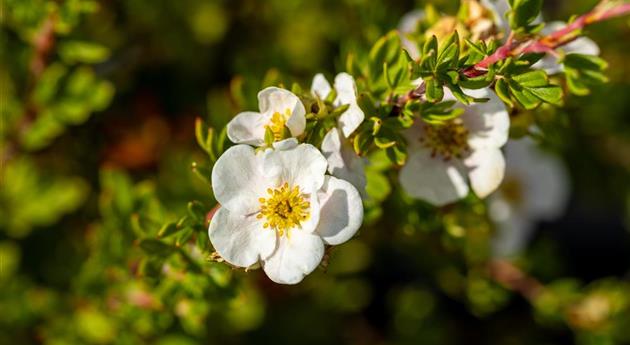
277	122
285	208
447	140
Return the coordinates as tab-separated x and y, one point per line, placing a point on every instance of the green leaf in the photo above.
361	142
536	78
184	236
582	61
84	52
202	172
384	142
503	91
49	83
156	247
523	13
449	52
168	229
460	95
550	94
524	96
197	211
434	90
397	154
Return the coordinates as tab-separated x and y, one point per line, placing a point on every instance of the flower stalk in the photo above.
603	11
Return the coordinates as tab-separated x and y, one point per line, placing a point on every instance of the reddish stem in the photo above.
546	44
550	42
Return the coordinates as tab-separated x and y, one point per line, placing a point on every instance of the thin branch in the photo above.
547	44
514	279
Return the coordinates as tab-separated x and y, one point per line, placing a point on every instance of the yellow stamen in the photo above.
277	122
447	140
284	209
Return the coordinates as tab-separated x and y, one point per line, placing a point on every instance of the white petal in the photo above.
346	89
238	180
434	180
297	121
543	179
295	257
302	166
548	64
512	236
286	144
341	212
488	123
273	99
310	225
487	170
409	22
247	128
343	162
320	86
411	47
351	119
240	240
582	45
497	12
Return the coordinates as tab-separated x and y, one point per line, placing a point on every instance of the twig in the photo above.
513	278
512	47
546	44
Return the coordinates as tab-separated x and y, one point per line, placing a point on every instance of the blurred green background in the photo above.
98	107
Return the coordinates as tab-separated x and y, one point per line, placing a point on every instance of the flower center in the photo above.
284	209
277	122
447	140
512	190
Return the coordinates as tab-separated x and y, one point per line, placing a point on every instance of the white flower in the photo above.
346	90
582	45
442	158
278	108
343	162
536	188
409	25
499	9
280	209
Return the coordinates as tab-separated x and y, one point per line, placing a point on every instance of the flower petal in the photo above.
351	119
542	177
408	24
512	236
286	144
247	128
320	86
488	123
273	99
432	179
487	170
238	180
346	89
295	257
582	45
548	64
343	162
341	212
302	166
310	224
240	240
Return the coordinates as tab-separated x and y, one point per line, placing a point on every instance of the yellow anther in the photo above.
277	122
284	209
449	140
